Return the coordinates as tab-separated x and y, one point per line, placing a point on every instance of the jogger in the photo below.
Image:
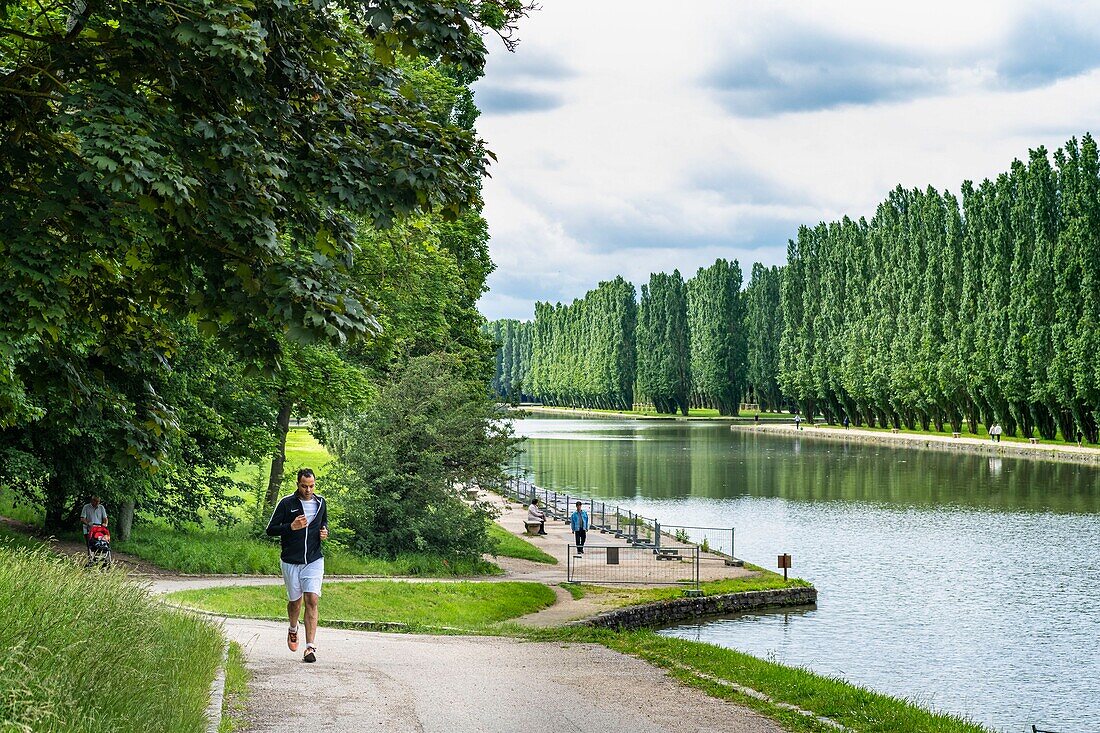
301	522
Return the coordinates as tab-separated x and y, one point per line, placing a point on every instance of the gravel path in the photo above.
367	681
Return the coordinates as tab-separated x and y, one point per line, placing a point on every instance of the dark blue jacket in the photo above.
300	546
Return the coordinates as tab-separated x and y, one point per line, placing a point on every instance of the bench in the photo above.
1033	441
667	554
893	430
471	494
956	435
532	528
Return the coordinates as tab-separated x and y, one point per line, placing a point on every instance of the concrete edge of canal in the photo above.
684	609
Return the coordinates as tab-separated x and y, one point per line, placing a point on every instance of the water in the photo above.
963	582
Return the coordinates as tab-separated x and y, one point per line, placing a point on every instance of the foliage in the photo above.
235	702
582	354
716	324
149	668
401	463
664	343
763	329
937	311
462	605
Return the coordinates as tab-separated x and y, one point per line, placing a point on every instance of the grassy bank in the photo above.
509	545
472	606
618	597
234	552
725	673
701	413
95	654
982	434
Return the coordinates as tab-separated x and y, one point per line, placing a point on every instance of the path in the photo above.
965	442
453	684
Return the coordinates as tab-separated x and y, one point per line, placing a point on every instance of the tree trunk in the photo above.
278	459
124	520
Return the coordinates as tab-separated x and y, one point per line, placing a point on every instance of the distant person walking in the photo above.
93	513
846	422
995	432
301	522
797	422
536	515
578	521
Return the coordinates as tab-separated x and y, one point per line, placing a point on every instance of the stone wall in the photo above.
683	609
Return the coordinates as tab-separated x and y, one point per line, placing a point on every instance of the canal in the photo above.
963	582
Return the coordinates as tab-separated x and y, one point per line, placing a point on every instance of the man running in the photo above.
301	522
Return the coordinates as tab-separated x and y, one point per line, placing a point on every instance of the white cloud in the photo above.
616	156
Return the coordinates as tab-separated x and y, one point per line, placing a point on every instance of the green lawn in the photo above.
95	652
234	552
462	605
510	545
982	433
617	597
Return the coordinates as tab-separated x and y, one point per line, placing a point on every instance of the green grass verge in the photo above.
618	597
235	701
13	540
707	666
457	605
576	590
92	652
509	545
982	434
234	552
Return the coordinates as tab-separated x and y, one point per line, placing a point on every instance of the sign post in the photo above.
785	563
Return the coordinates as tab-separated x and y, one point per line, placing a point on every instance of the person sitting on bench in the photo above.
535	515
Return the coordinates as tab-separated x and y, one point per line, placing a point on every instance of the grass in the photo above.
694	412
461	605
509	545
97	654
575	589
234	552
982	434
13	540
715	669
618	597
235	701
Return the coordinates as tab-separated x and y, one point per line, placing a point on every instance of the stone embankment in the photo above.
978	446
684	609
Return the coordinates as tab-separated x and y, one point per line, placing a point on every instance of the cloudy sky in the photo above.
639	136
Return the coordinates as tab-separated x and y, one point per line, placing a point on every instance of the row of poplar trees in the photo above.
680	345
940	310
943	311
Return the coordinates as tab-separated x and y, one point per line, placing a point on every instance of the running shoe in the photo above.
292	640
310	655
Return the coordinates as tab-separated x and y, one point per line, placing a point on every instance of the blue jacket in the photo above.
579	520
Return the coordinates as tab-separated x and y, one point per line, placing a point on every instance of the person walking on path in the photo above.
797	422
536	515
300	521
93	513
995	432
578	520
847	422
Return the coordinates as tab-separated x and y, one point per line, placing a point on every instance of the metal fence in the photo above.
625	564
624	524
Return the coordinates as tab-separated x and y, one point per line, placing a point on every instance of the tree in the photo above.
716	322
664	343
401	462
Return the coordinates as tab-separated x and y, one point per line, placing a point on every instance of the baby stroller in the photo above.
99	546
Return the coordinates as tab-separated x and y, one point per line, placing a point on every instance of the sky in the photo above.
638	137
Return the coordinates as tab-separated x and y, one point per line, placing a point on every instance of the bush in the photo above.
400	464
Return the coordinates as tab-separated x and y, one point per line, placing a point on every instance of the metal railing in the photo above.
636	529
630	565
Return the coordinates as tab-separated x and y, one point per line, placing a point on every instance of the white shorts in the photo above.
303	578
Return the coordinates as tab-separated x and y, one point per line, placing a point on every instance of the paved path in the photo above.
965	442
367	681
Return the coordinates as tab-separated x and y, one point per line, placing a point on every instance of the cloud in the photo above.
495	100
787	67
1045	47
